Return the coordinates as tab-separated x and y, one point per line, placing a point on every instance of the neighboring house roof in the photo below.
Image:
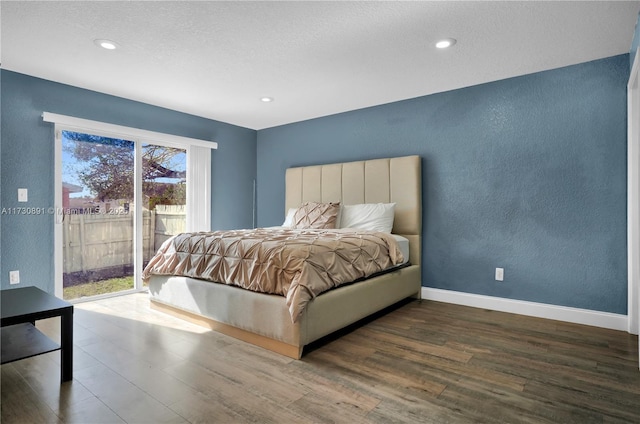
164	172
72	188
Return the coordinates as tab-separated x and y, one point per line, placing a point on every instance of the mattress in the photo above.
296	263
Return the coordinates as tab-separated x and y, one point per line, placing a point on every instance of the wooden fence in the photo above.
96	242
169	220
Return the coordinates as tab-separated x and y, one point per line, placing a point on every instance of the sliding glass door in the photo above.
120	192
121	200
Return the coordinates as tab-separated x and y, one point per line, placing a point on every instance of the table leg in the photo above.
66	345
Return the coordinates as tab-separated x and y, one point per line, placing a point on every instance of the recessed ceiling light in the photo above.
447	42
106	44
266	99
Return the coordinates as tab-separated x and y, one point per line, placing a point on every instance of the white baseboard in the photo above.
521	307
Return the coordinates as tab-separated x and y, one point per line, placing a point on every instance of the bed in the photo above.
265	319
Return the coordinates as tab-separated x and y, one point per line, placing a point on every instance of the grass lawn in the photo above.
98	287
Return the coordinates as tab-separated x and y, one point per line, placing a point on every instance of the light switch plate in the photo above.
23	195
14	277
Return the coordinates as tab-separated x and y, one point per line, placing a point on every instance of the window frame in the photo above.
198	182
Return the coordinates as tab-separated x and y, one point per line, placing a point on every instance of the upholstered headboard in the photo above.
390	180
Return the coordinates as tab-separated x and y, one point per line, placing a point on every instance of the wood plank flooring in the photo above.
422	362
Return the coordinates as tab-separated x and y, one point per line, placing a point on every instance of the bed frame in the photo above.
264	319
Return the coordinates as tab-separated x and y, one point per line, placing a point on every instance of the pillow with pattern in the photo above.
316	215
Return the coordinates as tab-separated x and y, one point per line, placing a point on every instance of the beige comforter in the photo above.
297	264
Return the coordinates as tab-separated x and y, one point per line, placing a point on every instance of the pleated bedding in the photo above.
297	264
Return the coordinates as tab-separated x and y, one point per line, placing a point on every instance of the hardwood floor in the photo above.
422	362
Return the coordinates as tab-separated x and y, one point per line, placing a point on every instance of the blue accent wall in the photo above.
27	160
527	173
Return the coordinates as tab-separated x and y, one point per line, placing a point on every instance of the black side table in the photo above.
20	309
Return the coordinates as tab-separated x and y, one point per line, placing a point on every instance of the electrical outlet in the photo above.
14	277
499	274
23	195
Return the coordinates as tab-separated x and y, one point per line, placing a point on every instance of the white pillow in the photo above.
369	216
288	221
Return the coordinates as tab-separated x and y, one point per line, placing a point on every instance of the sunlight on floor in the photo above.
136	307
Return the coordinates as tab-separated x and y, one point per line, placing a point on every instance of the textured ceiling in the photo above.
217	59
